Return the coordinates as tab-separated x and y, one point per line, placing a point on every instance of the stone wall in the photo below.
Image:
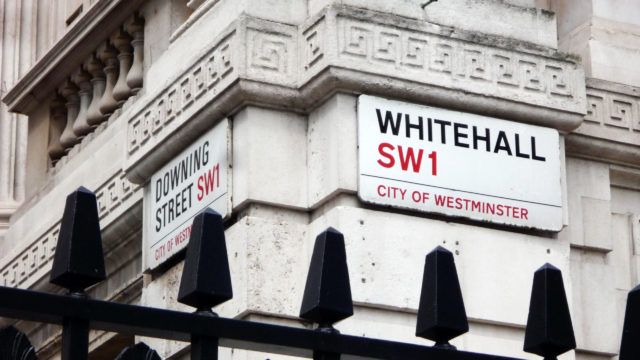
287	74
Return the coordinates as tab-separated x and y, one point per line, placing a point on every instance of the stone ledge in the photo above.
611	128
613	113
350	50
599	149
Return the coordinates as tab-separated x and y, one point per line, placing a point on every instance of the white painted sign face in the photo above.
458	164
196	179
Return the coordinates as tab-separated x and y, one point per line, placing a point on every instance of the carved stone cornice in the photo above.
345	49
611	128
76	45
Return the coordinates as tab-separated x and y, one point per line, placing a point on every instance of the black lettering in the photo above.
165	188
502	143
408	125
189	196
164	214
184	199
518	153
158	220
388	119
534	156
170	206
178	204
486	138
443	128
185	170
205	154
158	189
457	135
196	159
174	177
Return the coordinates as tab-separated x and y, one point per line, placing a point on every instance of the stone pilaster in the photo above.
14	37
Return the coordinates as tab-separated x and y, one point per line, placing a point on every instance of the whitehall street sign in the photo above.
196	179
458	164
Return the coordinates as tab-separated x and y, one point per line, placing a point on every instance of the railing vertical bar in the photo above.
78	263
75	339
204	348
206	278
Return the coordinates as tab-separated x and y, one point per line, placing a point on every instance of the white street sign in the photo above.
196	179
458	164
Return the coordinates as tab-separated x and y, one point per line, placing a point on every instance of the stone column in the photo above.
80	125
122	42
136	73
13	151
108	104
70	92
16	54
95	68
57	122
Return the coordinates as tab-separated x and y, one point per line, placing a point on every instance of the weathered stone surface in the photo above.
526	22
363	51
287	74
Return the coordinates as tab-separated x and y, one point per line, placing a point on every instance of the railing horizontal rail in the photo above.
238	334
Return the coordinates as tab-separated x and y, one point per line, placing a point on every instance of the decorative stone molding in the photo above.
425	53
359	51
612	105
28	265
194	88
100	87
94	27
611	128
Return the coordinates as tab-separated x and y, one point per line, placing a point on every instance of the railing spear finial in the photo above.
549	330
327	293
206	279
441	313
78	262
630	346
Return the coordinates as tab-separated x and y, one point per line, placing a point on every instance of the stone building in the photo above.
115	94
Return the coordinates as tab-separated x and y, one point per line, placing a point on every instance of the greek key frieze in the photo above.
206	75
268	51
313	43
271	54
613	109
440	60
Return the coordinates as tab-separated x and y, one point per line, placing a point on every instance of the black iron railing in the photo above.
206	282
